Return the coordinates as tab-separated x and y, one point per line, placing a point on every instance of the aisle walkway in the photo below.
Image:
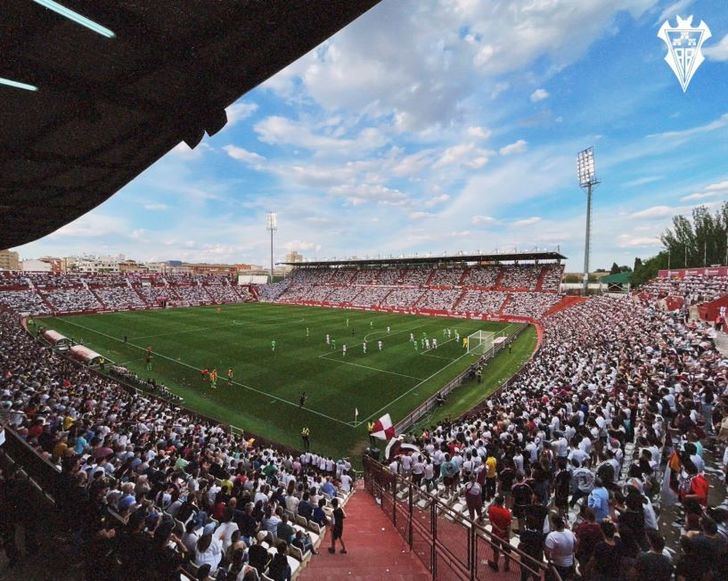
375	549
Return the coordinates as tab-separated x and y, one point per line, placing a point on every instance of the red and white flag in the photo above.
383	428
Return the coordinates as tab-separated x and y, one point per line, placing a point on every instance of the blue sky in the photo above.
439	126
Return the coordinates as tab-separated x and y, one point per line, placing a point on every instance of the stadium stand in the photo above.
186	490
485	290
606	423
45	293
694	288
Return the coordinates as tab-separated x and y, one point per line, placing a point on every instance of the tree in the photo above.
614	269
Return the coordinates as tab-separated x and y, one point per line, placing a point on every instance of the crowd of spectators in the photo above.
43	293
475	290
145	487
694	288
606	426
532	305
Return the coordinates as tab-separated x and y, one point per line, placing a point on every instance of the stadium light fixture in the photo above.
586	172
271	224
76	17
17	84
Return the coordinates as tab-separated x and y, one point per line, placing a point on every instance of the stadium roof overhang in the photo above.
118	91
414	260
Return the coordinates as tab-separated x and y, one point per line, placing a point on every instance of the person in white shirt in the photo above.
209	551
560	546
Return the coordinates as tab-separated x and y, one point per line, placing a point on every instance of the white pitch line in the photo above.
410	390
368	367
248	387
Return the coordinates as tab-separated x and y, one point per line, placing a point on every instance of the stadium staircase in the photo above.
499	280
428	282
505	302
540	279
375	550
36	290
461	296
565	303
96	296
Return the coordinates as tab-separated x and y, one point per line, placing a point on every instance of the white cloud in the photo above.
653	212
155	207
673	9
478	132
93	225
183	151
420	215
539	95
464	154
527	221
719	123
478	220
517	147
436	200
710	191
239	112
248	157
629	241
302	246
460	233
363	193
277	130
717	52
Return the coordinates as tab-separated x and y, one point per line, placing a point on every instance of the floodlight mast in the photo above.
271	224
586	172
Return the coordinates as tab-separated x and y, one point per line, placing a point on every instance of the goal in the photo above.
480	342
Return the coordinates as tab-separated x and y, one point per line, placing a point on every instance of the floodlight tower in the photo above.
271	224
586	171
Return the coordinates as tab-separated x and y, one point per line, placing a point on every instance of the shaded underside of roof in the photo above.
431	260
107	108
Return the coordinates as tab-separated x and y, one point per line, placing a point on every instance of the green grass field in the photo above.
263	398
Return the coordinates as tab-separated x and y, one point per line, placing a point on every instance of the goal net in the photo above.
480	342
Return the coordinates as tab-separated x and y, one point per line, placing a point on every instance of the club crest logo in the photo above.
684	43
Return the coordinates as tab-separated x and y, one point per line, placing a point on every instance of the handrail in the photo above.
387	487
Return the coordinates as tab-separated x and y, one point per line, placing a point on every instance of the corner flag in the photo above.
356	413
383	428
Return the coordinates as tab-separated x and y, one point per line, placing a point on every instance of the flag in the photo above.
383	428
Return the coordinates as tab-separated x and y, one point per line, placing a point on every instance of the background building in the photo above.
9	260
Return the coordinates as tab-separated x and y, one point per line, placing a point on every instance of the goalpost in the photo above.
480	342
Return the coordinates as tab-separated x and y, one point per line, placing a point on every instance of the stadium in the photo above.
407	415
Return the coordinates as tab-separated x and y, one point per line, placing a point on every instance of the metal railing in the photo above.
450	545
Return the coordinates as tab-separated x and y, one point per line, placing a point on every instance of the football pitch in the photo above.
263	396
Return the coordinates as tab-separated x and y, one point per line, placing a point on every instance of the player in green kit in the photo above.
273	345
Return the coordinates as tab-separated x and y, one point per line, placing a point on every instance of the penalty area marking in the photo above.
248	387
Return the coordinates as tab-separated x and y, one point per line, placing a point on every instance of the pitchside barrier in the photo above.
432	402
448	543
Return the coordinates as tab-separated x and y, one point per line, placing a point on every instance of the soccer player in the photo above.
427	344
213	379
371	323
457	336
380	344
148	358
465	342
347	321
307	332
205	374
328	339
273	345
302	399
434	343
416	345
333	344
412	336
449	333
230	374
388	329
343	350
364	347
